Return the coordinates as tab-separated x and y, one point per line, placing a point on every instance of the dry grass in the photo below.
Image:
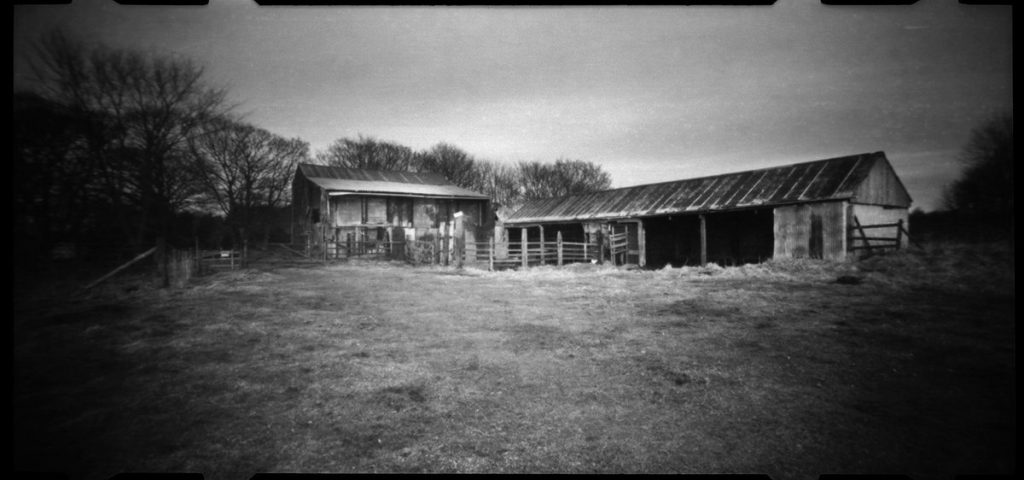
381	367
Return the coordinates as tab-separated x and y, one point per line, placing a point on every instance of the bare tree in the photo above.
245	170
141	110
564	177
367	153
450	161
986	186
501	182
52	171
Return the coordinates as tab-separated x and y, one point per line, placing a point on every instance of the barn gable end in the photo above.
881	186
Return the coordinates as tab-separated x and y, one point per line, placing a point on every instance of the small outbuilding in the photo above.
822	209
342	207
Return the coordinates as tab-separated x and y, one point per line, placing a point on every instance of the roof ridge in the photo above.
827	179
706	177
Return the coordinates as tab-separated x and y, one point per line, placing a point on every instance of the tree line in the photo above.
508	185
124	146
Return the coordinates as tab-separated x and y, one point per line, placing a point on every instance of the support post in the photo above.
703	240
899	234
558	239
522	236
435	255
600	246
460	240
490	257
543	254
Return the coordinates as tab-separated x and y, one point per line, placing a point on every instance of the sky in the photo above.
651	94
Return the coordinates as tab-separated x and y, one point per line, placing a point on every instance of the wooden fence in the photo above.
210	261
513	255
858	238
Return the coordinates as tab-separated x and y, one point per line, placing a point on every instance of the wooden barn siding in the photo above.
422	218
793	230
876	215
882	187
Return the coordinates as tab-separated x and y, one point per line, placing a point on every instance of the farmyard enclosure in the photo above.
294	366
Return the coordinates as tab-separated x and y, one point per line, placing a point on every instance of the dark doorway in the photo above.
733	238
817	240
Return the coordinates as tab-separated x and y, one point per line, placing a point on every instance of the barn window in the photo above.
314	215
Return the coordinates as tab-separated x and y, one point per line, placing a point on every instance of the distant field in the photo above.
374	367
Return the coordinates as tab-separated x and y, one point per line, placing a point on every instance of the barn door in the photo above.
817	239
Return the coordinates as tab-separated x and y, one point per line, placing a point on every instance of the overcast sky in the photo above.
650	93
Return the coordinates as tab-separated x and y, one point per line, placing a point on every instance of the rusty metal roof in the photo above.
831	179
356	180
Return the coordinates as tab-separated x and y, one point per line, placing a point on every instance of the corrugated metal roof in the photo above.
338	179
831	179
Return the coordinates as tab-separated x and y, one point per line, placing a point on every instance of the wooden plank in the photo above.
122	267
290	250
525	249
867	244
882	225
877	239
558	240
874	247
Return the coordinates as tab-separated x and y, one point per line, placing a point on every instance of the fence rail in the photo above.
858	233
512	254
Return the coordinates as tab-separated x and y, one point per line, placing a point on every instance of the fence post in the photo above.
542	252
199	260
245	253
435	254
558	238
522	236
899	234
490	256
460	240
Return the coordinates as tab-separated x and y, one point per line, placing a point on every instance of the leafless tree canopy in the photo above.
564	177
986	185
507	185
243	168
138	113
367	153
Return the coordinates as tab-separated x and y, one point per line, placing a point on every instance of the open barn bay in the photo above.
381	367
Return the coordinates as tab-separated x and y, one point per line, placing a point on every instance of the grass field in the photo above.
377	367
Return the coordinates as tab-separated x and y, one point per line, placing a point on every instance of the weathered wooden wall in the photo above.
793	226
882	187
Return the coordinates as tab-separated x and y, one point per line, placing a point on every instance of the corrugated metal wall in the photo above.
793	230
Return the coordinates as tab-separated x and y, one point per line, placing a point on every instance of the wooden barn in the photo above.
822	209
346	207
